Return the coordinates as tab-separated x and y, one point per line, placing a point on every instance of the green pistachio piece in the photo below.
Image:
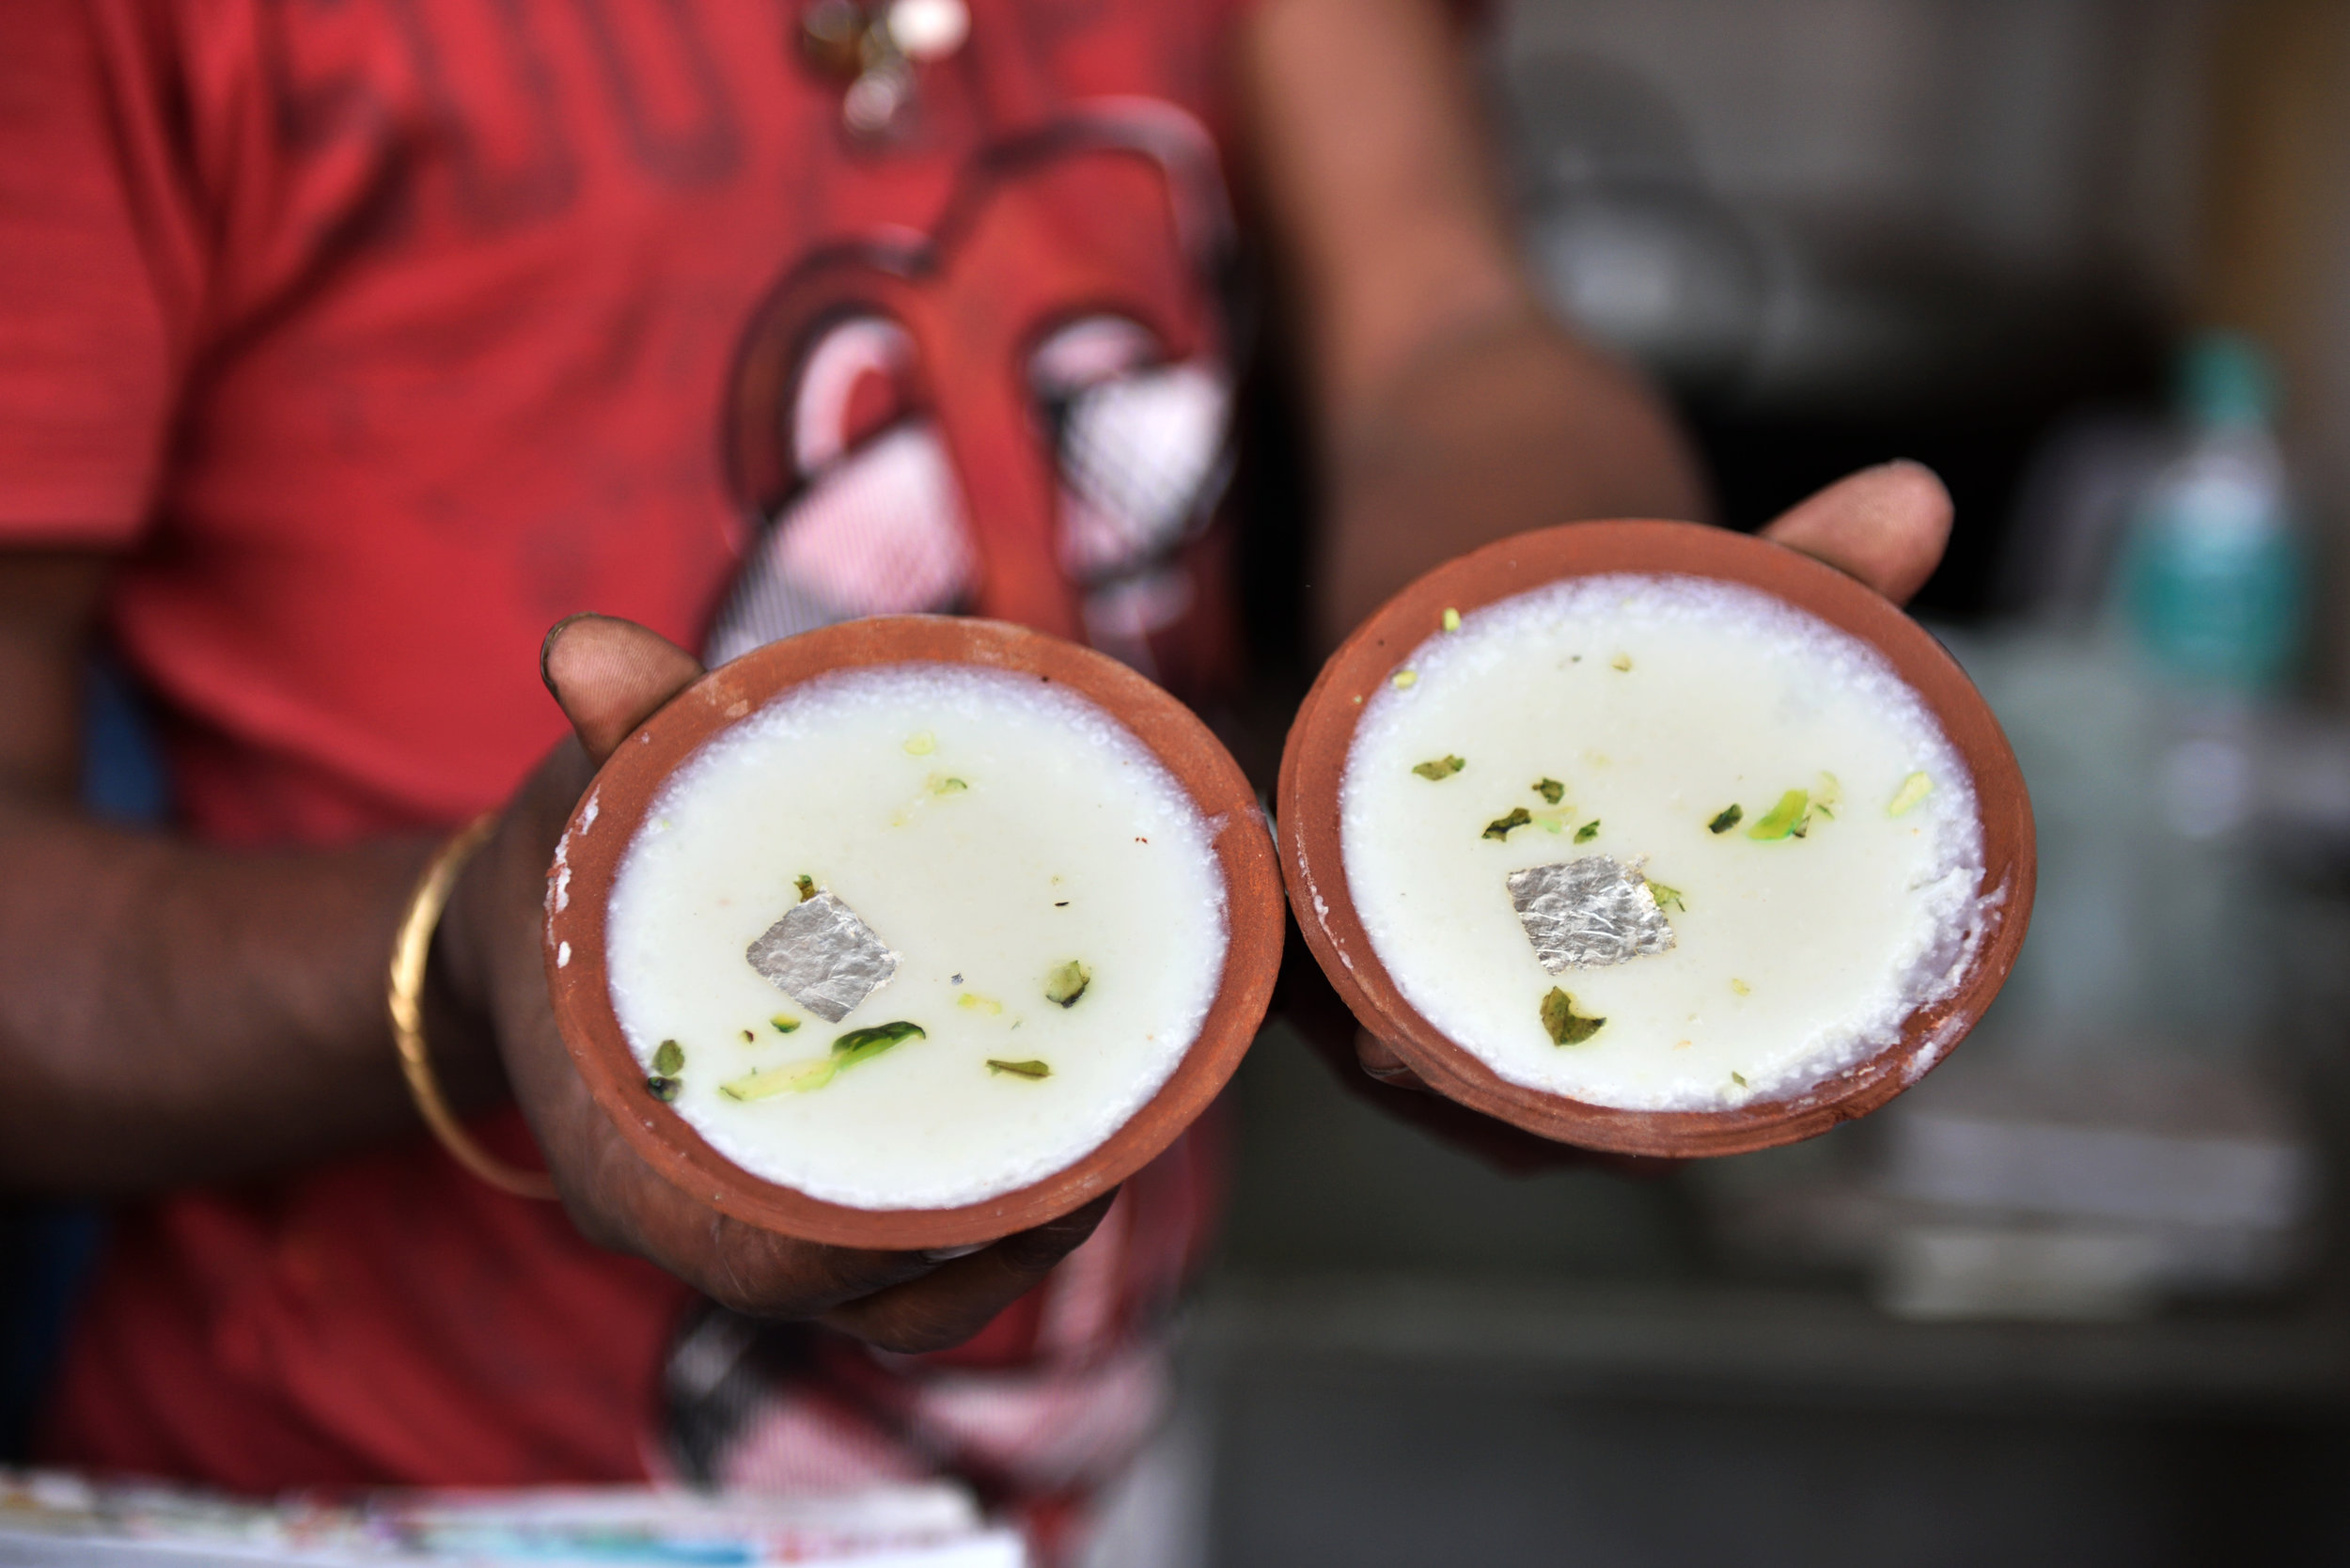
814	1073
662	1088
807	885
1064	985
1440	768
1500	828
1563	1024
1914	789
1727	818
1790	818
865	1044
1030	1070
1550	789
668	1058
1667	898
1588	832
769	1082
1451	618
783	1023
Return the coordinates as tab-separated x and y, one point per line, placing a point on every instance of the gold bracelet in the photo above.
404	992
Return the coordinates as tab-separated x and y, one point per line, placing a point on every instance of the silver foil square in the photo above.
823	957
1583	914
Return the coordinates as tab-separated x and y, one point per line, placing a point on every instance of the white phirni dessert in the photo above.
1660	843
915	936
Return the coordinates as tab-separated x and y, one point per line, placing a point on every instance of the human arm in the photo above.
171	1013
1450	407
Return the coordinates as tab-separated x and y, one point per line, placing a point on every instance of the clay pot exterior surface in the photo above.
607	818
1314	760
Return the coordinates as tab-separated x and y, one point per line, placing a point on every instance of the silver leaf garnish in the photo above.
1583	914
823	957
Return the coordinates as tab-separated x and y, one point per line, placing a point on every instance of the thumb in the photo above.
1885	525
611	675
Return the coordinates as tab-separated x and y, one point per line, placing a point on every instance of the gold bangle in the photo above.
404	992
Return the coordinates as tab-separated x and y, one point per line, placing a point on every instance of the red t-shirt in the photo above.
378	335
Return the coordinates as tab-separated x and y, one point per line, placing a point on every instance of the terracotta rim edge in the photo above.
589	856
1312	863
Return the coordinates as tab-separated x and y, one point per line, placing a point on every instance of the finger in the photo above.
1885	525
1379	1059
610	675
947	1306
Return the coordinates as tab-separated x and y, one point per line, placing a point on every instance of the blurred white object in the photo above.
54	1518
928	29
2098	1189
2074	1273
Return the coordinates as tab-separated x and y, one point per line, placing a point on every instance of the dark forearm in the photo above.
1505	424
170	1014
1450	407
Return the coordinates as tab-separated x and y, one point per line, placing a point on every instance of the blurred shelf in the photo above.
1778	1344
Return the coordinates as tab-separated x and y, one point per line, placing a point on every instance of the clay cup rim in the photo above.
1314	760
614	806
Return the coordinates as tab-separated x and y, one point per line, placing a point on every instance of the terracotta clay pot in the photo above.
608	819
1315	759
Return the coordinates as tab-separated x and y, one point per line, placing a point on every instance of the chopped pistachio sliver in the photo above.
1068	982
1451	618
807	885
1790	818
767	1083
668	1058
662	1088
946	786
865	1044
1828	796
1406	678
1550	789
1727	818
921	743
1667	898
1030	1070
1588	832
1741	986
1913	790
980	1004
1501	827
1738	1078
814	1073
1439	768
1562	1023
1622	662
783	1023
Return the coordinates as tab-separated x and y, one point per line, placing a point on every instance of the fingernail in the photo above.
546	650
949	1254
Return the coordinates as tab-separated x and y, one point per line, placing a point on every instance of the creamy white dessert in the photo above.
915	936
1659	843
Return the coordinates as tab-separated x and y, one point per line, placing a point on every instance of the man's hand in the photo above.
610	676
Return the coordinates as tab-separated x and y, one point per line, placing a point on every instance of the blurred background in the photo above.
2079	1298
